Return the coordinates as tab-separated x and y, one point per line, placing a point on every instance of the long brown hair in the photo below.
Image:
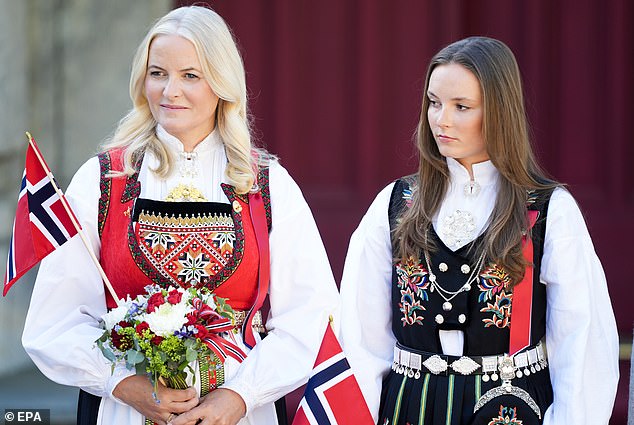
506	135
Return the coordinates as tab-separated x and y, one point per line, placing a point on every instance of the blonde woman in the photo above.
184	150
471	291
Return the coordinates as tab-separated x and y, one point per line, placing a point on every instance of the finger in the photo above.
183	406
186	418
171	416
182	395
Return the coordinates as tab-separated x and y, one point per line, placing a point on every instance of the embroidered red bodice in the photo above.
216	249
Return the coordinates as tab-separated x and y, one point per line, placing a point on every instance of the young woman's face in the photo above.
455	114
179	96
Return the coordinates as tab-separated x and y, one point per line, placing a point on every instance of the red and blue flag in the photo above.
332	395
43	219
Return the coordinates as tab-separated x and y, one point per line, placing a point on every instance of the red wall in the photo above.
336	85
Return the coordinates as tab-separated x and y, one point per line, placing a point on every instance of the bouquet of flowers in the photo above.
161	332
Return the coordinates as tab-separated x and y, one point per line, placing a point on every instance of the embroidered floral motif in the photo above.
501	311
507	416
492	281
413	281
409	306
413	275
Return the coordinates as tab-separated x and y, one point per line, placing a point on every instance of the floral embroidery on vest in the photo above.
506	416
493	283
413	281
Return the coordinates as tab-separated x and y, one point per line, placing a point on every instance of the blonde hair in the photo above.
506	135
223	69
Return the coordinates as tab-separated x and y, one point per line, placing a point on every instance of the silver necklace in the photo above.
450	295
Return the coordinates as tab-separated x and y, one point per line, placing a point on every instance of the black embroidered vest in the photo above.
483	313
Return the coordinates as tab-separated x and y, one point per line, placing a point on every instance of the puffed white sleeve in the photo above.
366	315
68	301
302	296
581	335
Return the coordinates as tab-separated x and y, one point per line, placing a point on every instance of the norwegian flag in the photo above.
43	219
332	395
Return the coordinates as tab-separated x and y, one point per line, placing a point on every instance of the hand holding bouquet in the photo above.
162	332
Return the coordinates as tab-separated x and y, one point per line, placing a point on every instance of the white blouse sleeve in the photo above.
366	322
581	336
68	301
302	294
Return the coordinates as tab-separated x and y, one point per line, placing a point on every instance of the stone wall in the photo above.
64	77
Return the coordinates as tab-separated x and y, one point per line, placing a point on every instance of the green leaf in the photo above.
191	355
107	352
134	357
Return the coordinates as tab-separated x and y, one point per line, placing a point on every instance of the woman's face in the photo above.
455	114
179	96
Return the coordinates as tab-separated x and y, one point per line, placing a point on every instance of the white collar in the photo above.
209	143
484	173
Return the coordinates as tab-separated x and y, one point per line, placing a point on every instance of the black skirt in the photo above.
450	400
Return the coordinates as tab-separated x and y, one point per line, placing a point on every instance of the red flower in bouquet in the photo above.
155	301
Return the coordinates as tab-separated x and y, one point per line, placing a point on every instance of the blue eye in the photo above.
191	76
156	73
462	107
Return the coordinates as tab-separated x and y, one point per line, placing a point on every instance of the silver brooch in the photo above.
458	227
471	188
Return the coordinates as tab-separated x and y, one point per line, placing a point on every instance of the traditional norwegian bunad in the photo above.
457	290
194	230
457	344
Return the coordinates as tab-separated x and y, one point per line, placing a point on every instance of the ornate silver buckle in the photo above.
436	364
465	366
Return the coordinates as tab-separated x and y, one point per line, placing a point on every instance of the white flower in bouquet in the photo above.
117	314
167	318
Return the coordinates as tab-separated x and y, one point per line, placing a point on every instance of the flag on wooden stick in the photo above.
43	219
332	395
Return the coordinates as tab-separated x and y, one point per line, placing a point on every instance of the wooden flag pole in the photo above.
81	233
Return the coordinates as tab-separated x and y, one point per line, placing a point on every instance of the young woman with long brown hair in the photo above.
471	292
